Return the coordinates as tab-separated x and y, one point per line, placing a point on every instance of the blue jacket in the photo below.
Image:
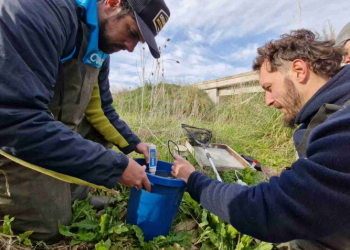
34	37
311	201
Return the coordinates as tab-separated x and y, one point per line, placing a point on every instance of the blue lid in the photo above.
163	169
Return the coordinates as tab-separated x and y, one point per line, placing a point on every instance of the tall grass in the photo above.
243	122
157	109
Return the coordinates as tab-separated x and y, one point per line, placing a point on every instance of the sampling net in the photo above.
197	136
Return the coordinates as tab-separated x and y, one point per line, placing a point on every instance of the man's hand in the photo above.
135	176
182	169
142	148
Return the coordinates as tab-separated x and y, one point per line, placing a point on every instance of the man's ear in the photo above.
300	71
112	4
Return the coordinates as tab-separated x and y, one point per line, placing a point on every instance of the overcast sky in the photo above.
218	38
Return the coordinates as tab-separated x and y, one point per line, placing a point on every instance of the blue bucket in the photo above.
154	212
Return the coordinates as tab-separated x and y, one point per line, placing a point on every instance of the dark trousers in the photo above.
38	202
340	241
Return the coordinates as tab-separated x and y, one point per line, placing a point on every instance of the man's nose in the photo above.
130	44
268	98
347	59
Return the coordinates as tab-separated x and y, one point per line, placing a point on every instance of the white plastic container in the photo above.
152	149
183	151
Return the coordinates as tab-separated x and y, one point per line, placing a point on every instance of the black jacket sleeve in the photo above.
34	36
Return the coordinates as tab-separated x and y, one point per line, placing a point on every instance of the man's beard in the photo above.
292	103
104	43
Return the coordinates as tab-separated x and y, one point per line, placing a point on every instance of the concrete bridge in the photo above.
232	85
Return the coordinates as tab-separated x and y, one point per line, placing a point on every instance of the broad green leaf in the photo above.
159	239
111	230
117	224
182	238
74	242
246	240
24	238
27	242
117	246
185	209
204	219
83	230
108	243
192	203
214	239
64	230
7	225
80	209
206	246
231	231
263	246
122	229
26	234
101	246
204	235
139	234
221	230
239	246
103	223
215	220
87	237
118	230
108	210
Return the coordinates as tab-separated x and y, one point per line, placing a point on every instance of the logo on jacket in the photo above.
160	20
95	58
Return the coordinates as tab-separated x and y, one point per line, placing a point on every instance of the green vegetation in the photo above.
248	176
193	228
155	113
242	122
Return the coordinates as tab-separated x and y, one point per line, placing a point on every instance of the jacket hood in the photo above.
94	56
335	91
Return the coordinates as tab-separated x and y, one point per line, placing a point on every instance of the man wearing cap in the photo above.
57	123
343	39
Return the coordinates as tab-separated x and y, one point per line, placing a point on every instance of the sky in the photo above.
217	38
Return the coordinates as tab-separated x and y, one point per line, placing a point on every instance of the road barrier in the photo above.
232	85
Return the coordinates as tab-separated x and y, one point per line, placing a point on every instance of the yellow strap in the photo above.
96	116
53	174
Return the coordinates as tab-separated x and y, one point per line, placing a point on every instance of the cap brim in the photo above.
148	36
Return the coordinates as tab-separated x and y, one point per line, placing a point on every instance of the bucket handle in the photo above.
178	149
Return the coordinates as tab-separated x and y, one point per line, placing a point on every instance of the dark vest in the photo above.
322	114
73	89
340	240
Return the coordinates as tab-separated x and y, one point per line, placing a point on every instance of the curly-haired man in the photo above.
309	204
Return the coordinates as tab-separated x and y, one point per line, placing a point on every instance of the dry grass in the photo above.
328	32
6	183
